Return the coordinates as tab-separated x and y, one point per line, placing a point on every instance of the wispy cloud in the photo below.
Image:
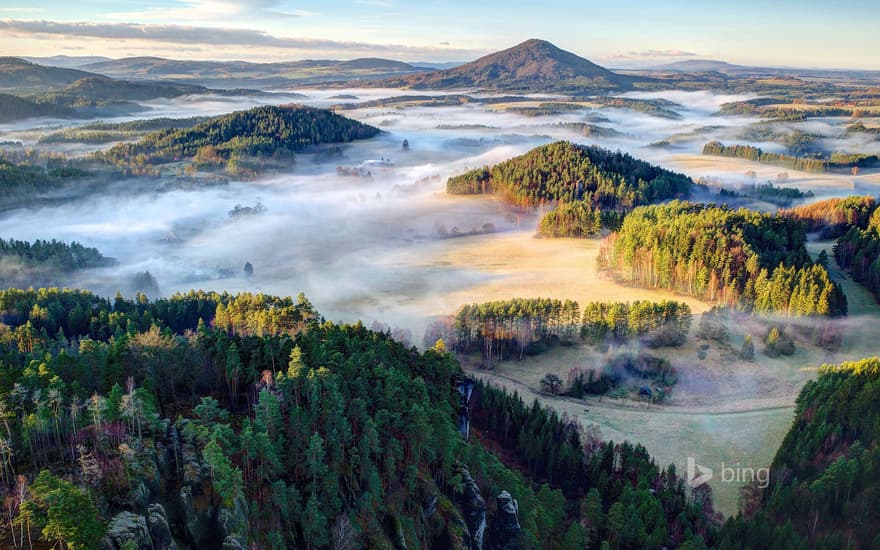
216	10
190	35
22	10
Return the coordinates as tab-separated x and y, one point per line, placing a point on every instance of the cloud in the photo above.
376	3
190	35
220	10
21	10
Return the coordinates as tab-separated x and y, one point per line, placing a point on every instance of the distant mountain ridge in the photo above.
235	73
19	76
731	69
66	61
532	65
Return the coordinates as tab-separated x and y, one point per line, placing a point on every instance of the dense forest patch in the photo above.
754	262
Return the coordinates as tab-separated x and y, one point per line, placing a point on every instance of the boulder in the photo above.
473	508
505	529
160	531
127	528
234	521
233	543
197	524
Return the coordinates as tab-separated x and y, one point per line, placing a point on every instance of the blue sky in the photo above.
616	33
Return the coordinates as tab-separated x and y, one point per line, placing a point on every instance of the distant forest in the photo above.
837	161
259	132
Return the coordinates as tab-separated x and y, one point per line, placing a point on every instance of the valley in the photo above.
385	197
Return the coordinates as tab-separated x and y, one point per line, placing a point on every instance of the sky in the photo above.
622	33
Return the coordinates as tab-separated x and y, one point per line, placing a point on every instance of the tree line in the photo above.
754	262
54	255
778	195
837	161
834	217
858	252
520	326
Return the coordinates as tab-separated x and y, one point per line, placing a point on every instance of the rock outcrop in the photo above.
473	508
129	530
505	529
160	530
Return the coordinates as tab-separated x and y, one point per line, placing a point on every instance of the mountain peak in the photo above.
531	65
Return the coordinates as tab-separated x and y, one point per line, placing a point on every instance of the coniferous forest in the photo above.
858	251
593	187
259	132
806	164
833	217
755	262
268	425
517	327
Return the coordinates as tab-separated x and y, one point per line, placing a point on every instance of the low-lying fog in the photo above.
359	246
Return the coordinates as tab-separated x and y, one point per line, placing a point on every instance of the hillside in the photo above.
754	262
261	131
98	90
234	74
595	187
66	61
702	66
22	77
532	65
825	479
210	420
56	88
14	108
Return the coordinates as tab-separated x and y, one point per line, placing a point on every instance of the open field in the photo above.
748	438
722	410
517	264
733	170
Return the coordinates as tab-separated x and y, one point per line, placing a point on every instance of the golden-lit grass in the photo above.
698	166
517	264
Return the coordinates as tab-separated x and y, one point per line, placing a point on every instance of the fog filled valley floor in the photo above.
367	232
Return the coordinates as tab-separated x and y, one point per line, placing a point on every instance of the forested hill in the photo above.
595	186
261	131
755	262
20	76
534	65
825	479
14	108
246	421
566	172
24	263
